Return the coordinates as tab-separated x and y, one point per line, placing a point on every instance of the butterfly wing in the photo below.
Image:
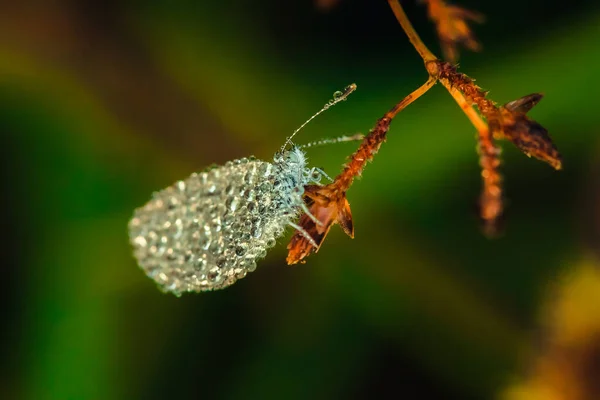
207	231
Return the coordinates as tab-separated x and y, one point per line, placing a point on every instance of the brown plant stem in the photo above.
465	93
371	143
328	203
411	97
413	36
491	206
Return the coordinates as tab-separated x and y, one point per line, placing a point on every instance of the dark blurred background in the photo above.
102	103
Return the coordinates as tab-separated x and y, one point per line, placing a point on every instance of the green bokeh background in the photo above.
102	103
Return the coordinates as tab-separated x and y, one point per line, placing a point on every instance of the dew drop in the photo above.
212	275
204	242
255	231
231	203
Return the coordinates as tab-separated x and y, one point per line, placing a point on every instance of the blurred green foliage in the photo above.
102	104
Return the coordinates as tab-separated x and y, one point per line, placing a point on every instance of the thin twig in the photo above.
413	36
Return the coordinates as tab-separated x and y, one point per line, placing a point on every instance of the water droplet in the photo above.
205	242
212	275
228	220
231	203
241	274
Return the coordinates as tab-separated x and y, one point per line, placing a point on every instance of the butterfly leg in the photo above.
304	233
322	173
309	214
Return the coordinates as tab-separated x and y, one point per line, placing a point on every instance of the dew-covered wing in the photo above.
207	231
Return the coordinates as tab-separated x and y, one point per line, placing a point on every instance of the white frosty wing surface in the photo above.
207	231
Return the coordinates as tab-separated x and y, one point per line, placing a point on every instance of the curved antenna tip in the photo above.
337	97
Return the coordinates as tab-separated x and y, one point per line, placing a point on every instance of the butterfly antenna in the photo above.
341	139
337	97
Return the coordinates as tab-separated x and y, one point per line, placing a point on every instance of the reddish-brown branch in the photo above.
490	201
413	36
328	203
367	149
502	122
466	93
505	122
452	79
375	139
